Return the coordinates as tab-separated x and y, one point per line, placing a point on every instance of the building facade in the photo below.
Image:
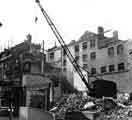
22	76
104	57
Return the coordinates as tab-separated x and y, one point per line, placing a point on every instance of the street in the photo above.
4	118
7	118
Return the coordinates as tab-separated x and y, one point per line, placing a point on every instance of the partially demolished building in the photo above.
104	57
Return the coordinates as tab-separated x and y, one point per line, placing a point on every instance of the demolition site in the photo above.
86	79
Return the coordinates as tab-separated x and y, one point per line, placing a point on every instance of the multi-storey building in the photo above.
104	57
21	74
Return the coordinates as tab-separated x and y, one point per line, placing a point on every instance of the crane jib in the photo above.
63	45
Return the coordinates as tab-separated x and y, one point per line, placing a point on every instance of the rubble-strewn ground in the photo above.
113	109
119	114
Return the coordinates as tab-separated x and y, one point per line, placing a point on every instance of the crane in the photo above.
63	44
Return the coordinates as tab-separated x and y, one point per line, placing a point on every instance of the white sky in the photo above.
72	18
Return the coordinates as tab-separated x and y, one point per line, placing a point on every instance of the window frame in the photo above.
76	48
121	66
92	43
84	45
111	68
27	67
84	57
77	58
93	71
64	62
93	55
64	69
51	56
111	51
120	49
64	52
85	66
103	69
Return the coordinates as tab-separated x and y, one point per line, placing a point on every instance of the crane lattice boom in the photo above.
63	45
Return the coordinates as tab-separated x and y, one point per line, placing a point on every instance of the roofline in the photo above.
82	40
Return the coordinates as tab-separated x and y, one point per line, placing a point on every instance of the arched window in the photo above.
120	49
27	67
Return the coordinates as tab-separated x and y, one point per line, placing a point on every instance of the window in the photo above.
64	52
77	58
52	55
93	55
111	68
103	69
111	51
93	70
120	49
64	62
85	58
17	68
92	43
0	72
121	67
85	66
84	45
55	81
64	69
27	67
76	48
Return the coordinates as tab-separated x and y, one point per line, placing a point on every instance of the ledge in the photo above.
108	73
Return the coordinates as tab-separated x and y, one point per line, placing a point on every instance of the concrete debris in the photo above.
119	114
123	98
111	108
89	105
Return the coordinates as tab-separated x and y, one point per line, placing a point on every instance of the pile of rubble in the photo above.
123	111
113	109
119	114
68	103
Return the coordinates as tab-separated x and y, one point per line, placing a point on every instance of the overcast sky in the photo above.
71	17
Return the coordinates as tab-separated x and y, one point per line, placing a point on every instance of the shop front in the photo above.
37	91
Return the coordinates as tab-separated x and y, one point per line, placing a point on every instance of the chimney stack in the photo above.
115	35
100	32
29	38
